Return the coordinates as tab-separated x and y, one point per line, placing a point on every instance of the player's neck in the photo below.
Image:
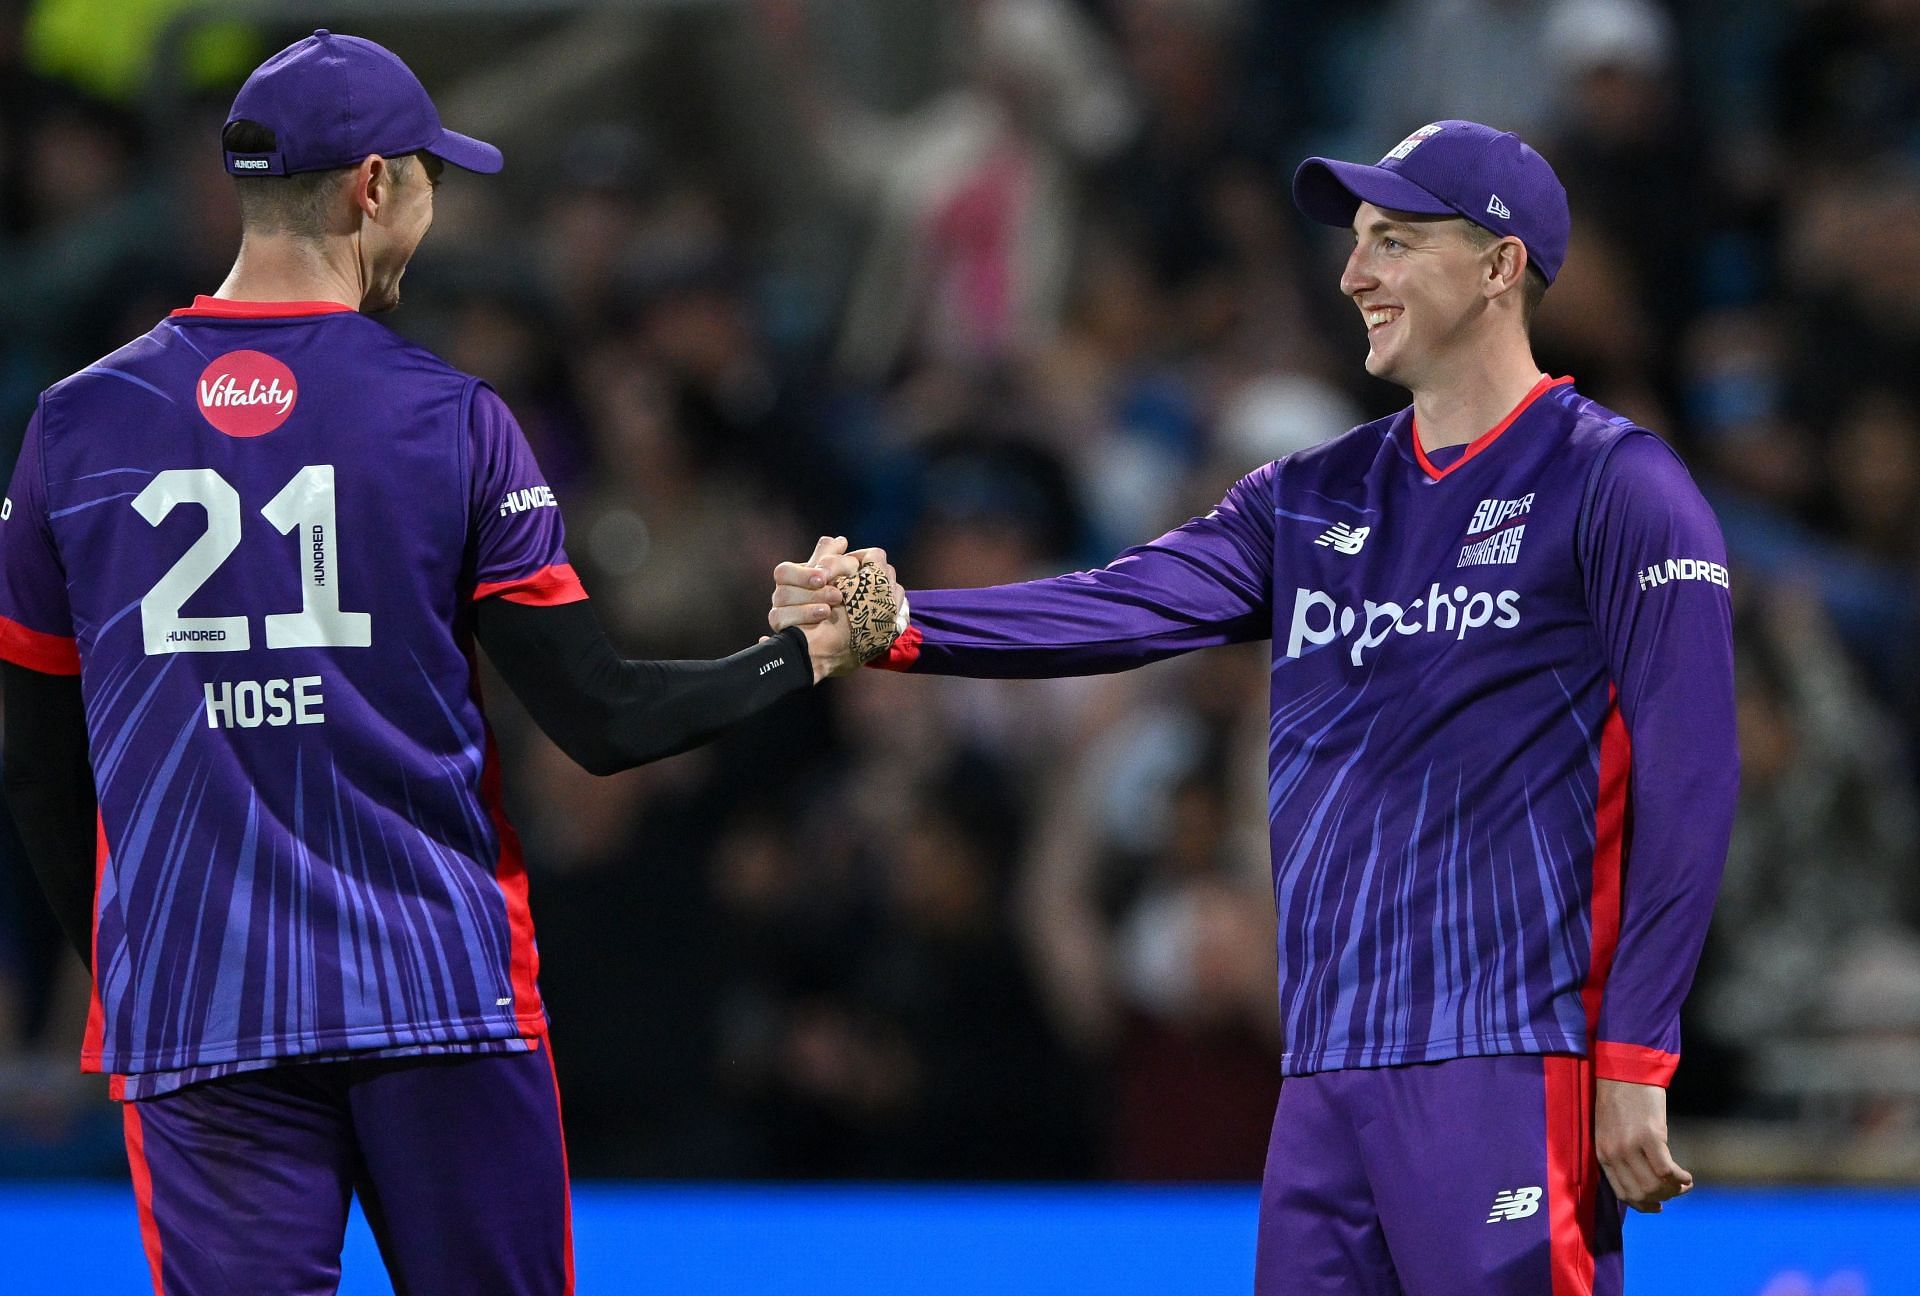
272	268
1473	396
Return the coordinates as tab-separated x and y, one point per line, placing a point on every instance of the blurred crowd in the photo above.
1004	286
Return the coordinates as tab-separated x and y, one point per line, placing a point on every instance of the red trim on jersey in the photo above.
510	872
1486	438
1573	1173
96	1036
142	1189
548	587
1634	1062
1609	841
50	654
225	308
566	1172
904	652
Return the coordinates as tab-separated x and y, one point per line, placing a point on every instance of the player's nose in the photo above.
1356	277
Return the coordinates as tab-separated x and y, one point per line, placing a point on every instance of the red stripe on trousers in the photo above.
566	1172
1573	1173
142	1189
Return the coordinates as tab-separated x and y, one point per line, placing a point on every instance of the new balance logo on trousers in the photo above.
1514	1204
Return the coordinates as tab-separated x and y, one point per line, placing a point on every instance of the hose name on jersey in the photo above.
248	704
1318	619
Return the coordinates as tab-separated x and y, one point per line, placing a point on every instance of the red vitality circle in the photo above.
246	393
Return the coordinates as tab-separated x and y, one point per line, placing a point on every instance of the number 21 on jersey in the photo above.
304	506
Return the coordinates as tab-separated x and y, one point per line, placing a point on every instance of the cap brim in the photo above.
1331	192
466	152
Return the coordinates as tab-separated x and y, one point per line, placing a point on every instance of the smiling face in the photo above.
1422	285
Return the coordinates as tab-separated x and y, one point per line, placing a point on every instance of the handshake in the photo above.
847	604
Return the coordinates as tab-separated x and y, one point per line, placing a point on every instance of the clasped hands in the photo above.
846	603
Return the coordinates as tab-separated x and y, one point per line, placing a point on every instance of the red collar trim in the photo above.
1486	438
223	308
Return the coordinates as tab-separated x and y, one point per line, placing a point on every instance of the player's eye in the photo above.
1392	244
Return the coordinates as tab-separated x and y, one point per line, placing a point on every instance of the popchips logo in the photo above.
1319	620
246	393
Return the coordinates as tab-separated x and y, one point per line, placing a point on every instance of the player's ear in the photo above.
372	184
1506	266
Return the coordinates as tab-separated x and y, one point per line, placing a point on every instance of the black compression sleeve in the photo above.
611	714
49	784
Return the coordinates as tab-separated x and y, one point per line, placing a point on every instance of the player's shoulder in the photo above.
1628	468
1352	451
1611	441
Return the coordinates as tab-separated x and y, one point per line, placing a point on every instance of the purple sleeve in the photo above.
1205	583
1657	588
36	621
519	542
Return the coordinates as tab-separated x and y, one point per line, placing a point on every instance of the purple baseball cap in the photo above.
1450	168
332	100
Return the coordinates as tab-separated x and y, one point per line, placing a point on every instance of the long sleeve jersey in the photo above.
1502	757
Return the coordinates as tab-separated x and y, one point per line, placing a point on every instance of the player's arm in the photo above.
49	785
1205	583
1667	628
609	713
49	782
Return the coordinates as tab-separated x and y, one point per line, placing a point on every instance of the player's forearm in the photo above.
49	789
1677	702
1685	783
1152	603
609	714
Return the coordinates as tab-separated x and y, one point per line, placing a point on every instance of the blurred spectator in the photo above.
972	193
1821	866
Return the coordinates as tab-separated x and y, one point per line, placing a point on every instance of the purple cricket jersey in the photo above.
256	534
1503	765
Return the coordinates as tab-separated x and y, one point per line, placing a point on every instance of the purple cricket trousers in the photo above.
1470	1177
243	1183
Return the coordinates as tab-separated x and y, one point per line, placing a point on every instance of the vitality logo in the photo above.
246	393
1513	1204
1318	619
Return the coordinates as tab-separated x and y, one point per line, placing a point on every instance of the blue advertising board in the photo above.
75	1240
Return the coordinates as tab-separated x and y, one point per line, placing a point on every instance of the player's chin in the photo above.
381	299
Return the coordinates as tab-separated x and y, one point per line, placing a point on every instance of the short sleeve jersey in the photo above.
256	534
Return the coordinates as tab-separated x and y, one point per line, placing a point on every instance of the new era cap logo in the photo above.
1497	208
246	393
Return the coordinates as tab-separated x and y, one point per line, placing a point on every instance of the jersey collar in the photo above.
1486	438
221	308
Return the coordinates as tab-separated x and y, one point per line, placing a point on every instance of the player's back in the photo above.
267	529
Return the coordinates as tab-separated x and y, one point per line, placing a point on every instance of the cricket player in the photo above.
244	563
1502	755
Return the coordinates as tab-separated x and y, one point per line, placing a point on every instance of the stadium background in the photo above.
1003	286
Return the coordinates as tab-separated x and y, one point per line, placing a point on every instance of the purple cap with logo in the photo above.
332	100
1450	168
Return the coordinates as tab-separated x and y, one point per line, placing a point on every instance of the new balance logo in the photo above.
1343	538
1514	1204
1497	208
